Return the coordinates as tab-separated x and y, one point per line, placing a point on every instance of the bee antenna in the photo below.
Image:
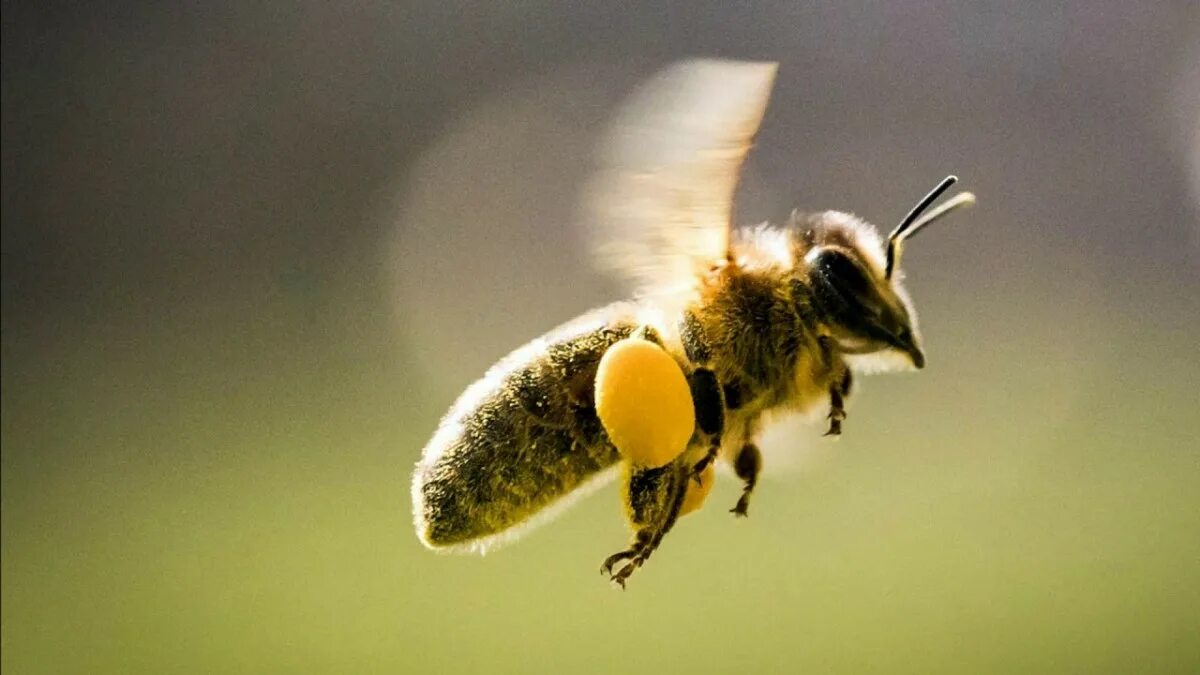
913	222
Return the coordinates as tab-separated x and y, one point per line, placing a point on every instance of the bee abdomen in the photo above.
517	442
489	481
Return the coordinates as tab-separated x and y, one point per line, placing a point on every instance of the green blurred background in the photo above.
252	252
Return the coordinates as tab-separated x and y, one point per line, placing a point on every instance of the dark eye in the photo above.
844	291
840	271
863	310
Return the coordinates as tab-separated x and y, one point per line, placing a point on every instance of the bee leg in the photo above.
708	395
837	403
653	499
646	493
641	539
837	413
709	401
747	465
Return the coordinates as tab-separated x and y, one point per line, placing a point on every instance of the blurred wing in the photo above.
662	202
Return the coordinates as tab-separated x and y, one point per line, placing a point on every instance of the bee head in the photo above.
863	305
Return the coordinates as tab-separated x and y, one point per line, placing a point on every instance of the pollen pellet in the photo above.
698	492
643	400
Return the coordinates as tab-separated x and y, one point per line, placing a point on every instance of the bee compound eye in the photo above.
644	402
839	270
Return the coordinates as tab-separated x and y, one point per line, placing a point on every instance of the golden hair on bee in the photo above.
728	328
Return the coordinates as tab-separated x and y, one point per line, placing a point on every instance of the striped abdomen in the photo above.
519	440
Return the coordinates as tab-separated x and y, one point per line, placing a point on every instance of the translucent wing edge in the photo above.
661	205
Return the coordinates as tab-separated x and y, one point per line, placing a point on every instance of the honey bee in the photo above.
727	325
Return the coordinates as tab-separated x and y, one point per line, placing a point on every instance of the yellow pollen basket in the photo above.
644	402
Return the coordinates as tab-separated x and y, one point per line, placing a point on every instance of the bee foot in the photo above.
741	510
611	561
835	422
623	574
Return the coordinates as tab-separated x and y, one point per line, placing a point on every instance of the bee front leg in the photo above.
709	402
653	497
837	402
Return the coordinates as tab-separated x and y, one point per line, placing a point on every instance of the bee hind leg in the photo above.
641	540
653	497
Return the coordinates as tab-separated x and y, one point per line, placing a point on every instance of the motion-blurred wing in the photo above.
663	200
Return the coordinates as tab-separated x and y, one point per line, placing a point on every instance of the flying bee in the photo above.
727	325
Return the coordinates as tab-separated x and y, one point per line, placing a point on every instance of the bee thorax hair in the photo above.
769	322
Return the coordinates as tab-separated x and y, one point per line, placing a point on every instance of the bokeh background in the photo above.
253	250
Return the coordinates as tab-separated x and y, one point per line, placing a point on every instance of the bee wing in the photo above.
662	203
